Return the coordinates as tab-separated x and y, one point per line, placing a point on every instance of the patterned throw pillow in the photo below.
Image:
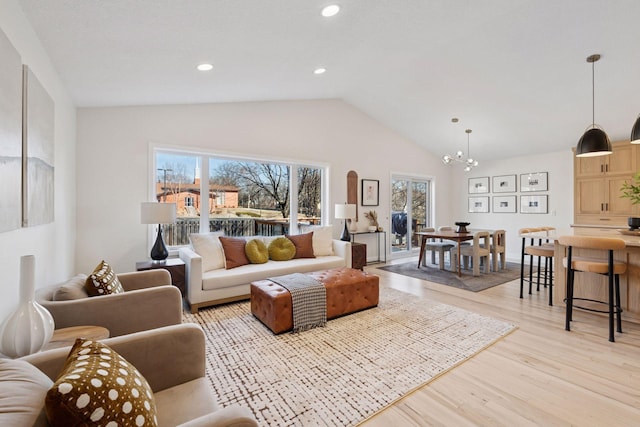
97	386
281	249
256	251
303	244
103	281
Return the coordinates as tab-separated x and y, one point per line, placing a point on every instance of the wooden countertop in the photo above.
630	240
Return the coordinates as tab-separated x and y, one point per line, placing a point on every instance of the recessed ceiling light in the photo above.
205	67
330	10
319	71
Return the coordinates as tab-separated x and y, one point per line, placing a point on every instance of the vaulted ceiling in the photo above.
514	71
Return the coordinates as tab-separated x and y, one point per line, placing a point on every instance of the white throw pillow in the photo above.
322	240
208	246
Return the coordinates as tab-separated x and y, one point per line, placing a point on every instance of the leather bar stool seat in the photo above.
609	267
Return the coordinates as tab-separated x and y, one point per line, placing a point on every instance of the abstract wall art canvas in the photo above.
38	146
10	135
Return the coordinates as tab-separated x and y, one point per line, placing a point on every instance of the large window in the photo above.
241	197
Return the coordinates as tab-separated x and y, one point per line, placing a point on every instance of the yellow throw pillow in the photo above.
97	386
256	251
282	249
103	281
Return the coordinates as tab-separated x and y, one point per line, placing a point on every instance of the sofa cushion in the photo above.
103	281
234	254
97	386
22	393
73	288
208	246
303	244
322	240
184	402
281	249
256	251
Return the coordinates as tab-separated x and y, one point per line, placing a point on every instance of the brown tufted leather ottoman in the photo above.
348	291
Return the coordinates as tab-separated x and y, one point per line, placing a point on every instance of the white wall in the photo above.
52	244
113	160
559	166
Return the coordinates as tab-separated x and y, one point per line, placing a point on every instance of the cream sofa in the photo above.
172	359
208	286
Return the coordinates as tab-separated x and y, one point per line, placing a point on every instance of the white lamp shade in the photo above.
345	211
157	213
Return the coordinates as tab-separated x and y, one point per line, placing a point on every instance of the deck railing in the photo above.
178	234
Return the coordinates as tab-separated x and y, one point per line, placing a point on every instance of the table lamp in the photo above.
345	211
158	213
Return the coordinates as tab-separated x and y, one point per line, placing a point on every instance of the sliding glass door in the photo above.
410	212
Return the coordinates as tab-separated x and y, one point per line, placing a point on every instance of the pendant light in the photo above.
635	132
469	163
594	141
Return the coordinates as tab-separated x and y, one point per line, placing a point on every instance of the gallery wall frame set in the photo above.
537	204
479	204
504	204
27	115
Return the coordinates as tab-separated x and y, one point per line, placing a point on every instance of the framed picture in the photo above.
533	204
535	181
479	204
479	185
370	192
504	184
504	204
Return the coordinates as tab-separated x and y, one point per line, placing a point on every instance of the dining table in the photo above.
446	235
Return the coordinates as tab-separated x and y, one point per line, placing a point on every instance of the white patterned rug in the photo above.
343	373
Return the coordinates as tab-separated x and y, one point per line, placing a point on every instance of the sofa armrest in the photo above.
166	357
144	279
122	313
193	271
343	250
231	416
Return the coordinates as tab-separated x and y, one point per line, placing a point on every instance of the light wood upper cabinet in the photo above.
597	182
621	161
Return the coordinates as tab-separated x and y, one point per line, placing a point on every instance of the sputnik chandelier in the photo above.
468	163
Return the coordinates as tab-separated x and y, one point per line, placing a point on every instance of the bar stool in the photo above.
541	250
609	267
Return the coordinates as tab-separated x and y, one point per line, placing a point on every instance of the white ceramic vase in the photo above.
30	326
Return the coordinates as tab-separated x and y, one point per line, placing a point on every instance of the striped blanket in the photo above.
308	300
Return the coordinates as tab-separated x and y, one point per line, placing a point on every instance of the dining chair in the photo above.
479	252
499	249
440	246
609	267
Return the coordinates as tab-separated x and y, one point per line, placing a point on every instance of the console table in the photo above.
380	235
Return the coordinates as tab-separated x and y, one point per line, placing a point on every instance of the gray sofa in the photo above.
172	359
149	301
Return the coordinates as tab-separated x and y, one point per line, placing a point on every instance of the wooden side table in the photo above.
66	337
358	255
175	267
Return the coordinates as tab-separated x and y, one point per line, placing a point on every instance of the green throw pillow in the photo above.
256	251
282	249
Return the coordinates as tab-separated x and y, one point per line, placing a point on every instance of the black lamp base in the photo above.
346	236
159	251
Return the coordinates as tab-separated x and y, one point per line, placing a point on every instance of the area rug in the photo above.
467	281
341	374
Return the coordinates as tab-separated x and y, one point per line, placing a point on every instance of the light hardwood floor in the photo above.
538	375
